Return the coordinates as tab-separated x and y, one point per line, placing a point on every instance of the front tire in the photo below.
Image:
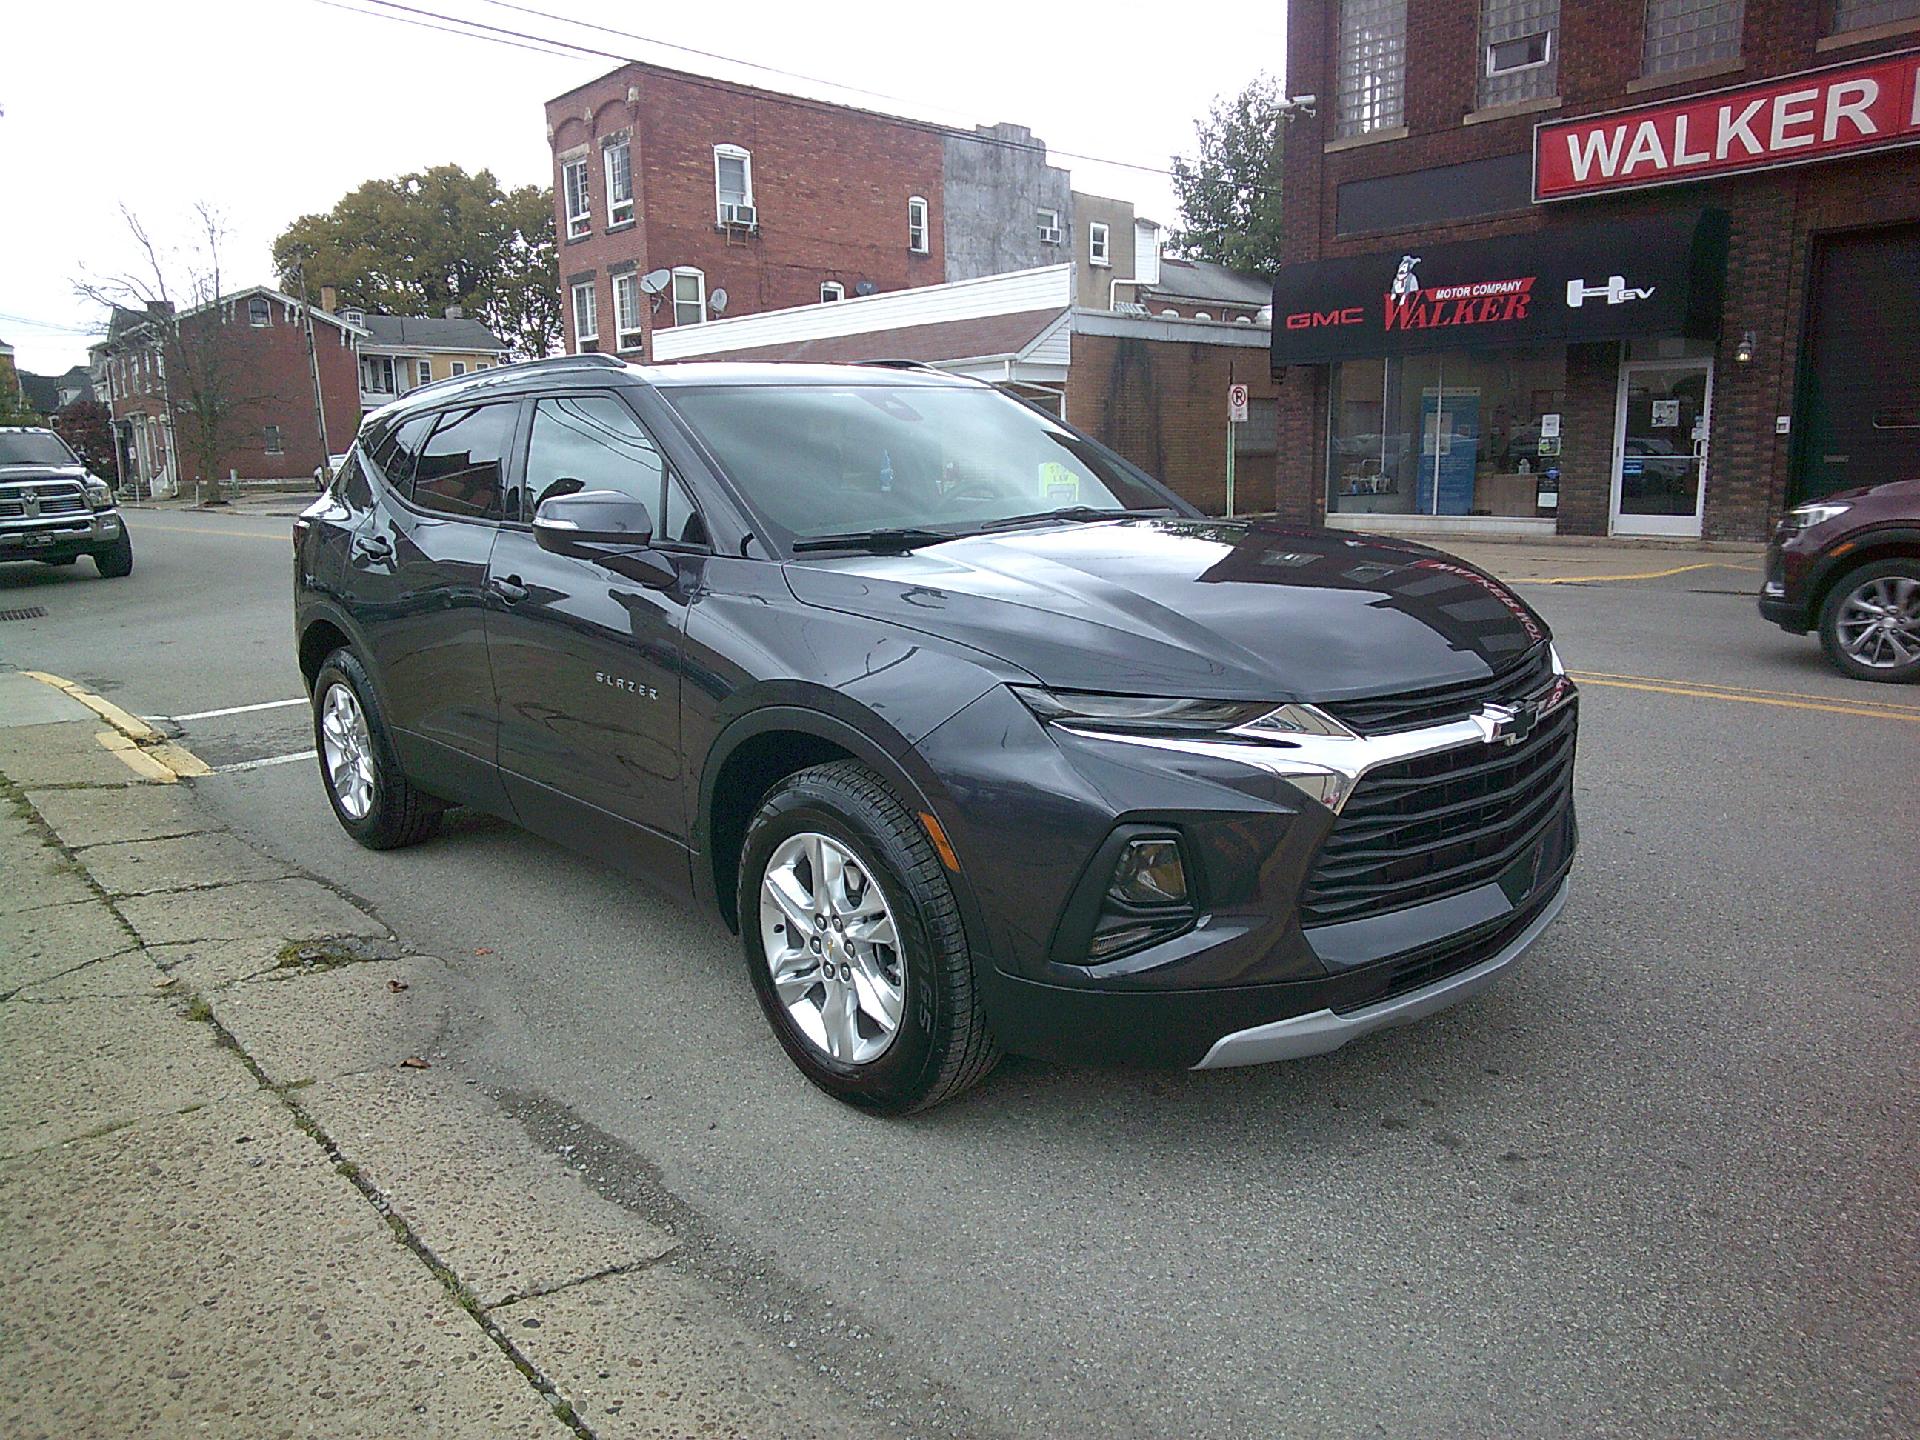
370	795
855	946
116	561
1870	624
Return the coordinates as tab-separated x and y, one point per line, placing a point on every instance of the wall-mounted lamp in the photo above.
1743	352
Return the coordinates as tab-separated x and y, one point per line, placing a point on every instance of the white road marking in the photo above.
232	710
262	764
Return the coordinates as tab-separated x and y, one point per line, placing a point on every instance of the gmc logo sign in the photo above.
1317	319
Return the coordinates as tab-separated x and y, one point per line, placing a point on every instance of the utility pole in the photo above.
313	363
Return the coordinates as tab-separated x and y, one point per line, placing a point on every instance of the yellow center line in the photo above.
1643	575
1695	692
1597	675
286	539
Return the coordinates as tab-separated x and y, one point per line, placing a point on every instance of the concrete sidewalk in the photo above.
246	1194
242	505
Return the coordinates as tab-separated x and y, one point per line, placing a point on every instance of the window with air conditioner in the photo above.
918	237
1689	34
832	290
1520	47
733	186
579	199
1049	225
1370	74
626	310
1099	244
618	158
586	318
689	296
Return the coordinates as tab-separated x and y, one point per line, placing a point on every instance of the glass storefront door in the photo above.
1660	446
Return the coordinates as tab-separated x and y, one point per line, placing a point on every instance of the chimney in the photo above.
328	297
454	312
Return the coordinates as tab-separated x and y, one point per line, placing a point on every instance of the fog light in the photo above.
1150	873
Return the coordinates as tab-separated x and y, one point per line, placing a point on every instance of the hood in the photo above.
43	472
1890	490
1194	608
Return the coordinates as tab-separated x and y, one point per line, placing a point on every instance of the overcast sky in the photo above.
275	108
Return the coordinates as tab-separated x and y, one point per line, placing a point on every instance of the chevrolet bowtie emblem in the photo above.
1506	724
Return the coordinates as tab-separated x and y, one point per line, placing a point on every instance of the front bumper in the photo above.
58	537
1271	955
1325	1029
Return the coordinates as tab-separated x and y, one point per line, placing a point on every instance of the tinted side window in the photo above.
395	453
351	485
461	466
591	442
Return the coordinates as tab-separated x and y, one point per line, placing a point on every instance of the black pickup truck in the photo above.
52	510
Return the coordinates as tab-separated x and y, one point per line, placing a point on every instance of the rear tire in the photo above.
1871	615
371	796
116	562
909	1032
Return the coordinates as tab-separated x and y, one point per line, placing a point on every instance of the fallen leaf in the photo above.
483	951
414	1062
396	986
164	981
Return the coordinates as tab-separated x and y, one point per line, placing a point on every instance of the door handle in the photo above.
508	588
373	547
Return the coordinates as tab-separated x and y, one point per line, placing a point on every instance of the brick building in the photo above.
777	201
251	349
1629	267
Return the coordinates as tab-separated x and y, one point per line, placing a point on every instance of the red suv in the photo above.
1849	566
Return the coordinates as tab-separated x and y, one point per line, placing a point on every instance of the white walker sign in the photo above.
1568	283
1815	115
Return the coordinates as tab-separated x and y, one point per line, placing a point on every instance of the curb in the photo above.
143	749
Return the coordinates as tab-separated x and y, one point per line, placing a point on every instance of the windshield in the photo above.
33	447
819	460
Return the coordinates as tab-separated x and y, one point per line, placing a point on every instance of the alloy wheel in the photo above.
347	749
1879	622
832	948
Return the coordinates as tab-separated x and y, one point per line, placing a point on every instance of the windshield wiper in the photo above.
903	537
1070	512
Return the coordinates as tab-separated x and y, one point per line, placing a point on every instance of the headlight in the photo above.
1143	713
99	495
1805	517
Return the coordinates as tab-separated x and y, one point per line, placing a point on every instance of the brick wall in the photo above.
830	184
265	372
1776	218
1163	405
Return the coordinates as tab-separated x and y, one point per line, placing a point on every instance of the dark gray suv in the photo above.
979	737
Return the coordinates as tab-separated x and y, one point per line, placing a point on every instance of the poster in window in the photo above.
1666	415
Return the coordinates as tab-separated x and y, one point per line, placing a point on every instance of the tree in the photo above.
87	426
1229	190
420	242
207	394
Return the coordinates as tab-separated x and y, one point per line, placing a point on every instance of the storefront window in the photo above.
1449	434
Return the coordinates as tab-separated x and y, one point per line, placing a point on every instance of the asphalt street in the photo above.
1660	1181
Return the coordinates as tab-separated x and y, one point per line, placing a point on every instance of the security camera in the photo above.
1295	106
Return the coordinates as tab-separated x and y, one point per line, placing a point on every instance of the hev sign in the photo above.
1815	115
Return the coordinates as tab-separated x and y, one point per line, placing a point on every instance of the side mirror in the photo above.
564	523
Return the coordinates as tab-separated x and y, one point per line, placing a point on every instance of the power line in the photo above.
538	49
511	36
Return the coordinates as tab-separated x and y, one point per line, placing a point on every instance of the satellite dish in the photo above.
655	281
717	302
865	287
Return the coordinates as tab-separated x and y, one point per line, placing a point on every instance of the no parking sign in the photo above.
1236	402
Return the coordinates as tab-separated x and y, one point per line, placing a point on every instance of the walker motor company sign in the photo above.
1815	115
1566	283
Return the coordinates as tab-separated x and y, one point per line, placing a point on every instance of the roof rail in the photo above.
589	360
901	365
